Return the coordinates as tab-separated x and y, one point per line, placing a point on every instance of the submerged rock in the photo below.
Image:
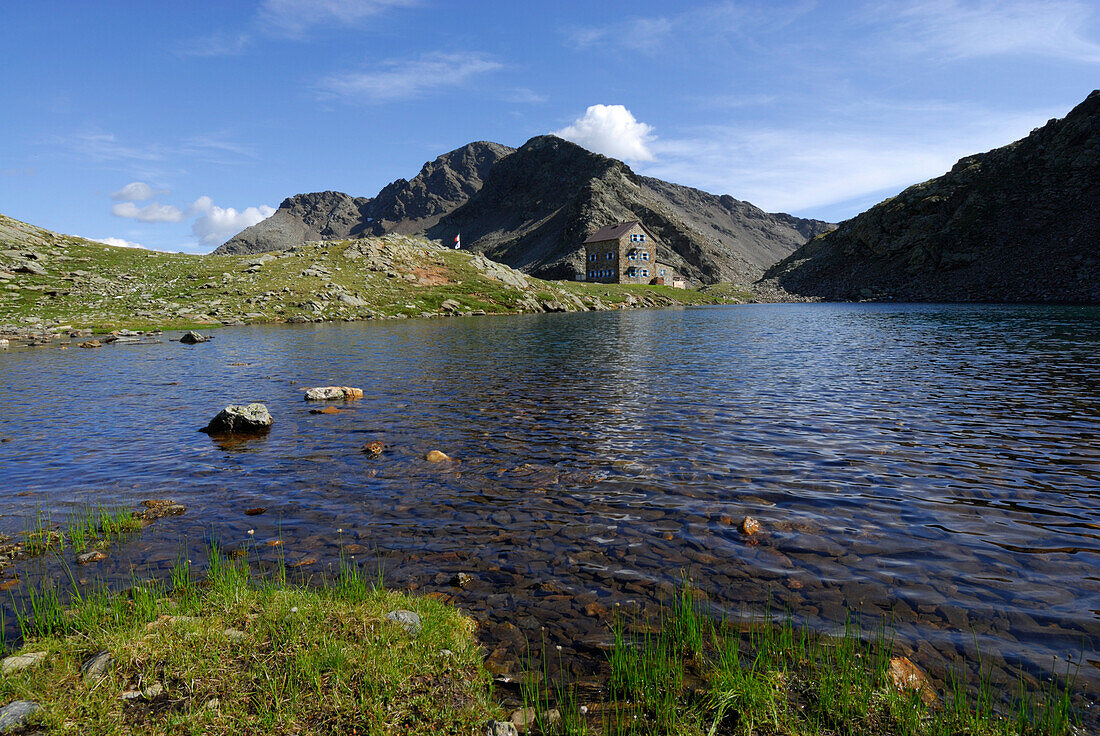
751	526
374	449
88	557
435	456
328	393
159	508
238	419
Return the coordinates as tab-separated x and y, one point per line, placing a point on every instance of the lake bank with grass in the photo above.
923	467
238	650
55	286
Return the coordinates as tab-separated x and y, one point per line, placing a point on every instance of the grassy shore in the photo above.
237	653
59	281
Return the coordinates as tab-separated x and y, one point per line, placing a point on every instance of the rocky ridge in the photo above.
1019	223
532	209
402	206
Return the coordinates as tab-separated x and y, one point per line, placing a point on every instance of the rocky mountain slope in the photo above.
51	284
538	205
1018	223
532	208
401	207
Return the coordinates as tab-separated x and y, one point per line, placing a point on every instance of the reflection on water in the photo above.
934	464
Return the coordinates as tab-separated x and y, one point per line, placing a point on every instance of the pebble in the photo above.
87	557
96	667
21	662
15	714
374	448
751	526
407	620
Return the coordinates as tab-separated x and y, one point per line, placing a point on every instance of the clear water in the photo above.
935	465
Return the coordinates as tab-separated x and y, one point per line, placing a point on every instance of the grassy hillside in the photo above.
48	281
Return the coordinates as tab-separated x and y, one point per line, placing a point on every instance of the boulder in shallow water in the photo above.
91	344
193	338
435	456
238	419
330	393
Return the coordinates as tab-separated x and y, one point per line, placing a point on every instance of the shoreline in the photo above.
344	653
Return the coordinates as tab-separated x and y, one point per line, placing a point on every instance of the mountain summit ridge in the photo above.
533	207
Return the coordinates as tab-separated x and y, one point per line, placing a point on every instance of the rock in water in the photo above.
91	344
15	714
237	419
89	557
435	456
328	393
374	448
407	620
193	338
751	526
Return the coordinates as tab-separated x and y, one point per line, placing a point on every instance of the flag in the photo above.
458	241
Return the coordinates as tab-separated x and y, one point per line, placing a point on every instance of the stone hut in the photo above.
624	253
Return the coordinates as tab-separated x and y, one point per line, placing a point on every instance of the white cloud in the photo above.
405	80
216	44
137	191
612	131
119	242
153	212
215	225
294	17
795	169
957	29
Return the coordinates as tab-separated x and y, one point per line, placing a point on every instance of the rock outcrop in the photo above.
533	207
1019	223
401	207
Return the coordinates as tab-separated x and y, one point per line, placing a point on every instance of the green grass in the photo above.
689	674
87	528
103	288
236	652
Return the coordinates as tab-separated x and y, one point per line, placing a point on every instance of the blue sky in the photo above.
174	125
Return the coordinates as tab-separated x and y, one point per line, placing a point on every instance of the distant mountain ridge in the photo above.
402	207
1018	223
533	207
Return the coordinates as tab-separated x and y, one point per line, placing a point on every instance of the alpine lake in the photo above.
934	469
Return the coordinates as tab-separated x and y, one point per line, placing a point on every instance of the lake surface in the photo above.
935	465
